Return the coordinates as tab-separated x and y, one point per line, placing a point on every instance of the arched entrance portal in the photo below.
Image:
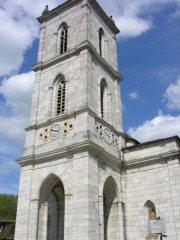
51	210
111	221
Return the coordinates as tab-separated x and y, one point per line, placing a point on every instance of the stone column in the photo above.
41	44
55	44
101	218
109	109
106	50
43	221
50	103
66	97
68	217
121	220
58	42
33	220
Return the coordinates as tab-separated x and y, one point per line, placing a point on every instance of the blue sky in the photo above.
148	56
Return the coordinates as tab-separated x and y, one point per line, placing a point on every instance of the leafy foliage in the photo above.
8	206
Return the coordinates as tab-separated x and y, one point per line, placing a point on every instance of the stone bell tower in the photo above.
70	181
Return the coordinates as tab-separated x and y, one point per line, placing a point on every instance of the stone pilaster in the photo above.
43	221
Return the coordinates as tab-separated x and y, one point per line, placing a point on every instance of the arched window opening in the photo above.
150	214
51	210
103	99
101	33
64	37
61	94
110	210
150	208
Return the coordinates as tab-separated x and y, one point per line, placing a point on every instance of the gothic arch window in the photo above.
104	100
51	209
150	214
63	38
101	35
151	210
110	209
103	87
61	95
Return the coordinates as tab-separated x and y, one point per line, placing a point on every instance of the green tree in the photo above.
8	206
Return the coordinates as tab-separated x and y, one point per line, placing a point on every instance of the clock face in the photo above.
55	131
107	135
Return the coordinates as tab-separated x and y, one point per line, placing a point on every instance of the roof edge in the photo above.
47	15
175	138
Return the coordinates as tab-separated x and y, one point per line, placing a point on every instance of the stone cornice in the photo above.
72	3
58	10
106	124
56	119
66	151
74	114
151	143
152	158
77	50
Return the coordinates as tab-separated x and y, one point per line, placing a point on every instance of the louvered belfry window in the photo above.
102	101
100	40
61	97
64	36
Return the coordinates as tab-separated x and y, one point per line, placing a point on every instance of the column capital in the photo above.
44	203
68	195
100	197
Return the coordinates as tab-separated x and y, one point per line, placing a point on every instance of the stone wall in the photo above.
152	173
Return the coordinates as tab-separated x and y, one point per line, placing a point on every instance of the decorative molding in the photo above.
106	165
77	50
159	157
56	130
71	5
66	151
107	135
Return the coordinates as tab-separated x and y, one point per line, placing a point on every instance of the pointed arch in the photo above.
63	32
60	92
110	206
104	100
151	210
51	209
47	184
101	185
101	36
150	214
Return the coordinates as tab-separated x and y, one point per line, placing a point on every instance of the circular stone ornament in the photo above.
107	135
55	131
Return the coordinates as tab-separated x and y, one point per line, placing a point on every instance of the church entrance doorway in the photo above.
110	210
51	210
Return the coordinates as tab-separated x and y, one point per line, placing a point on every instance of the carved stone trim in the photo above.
56	130
107	135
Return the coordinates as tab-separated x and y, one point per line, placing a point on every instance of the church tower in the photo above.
70	180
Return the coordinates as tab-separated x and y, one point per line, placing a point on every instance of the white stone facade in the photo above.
88	180
152	172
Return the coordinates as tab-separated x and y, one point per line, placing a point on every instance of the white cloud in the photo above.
133	95
21	26
161	126
135	17
17	91
16	37
132	26
18	29
172	95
